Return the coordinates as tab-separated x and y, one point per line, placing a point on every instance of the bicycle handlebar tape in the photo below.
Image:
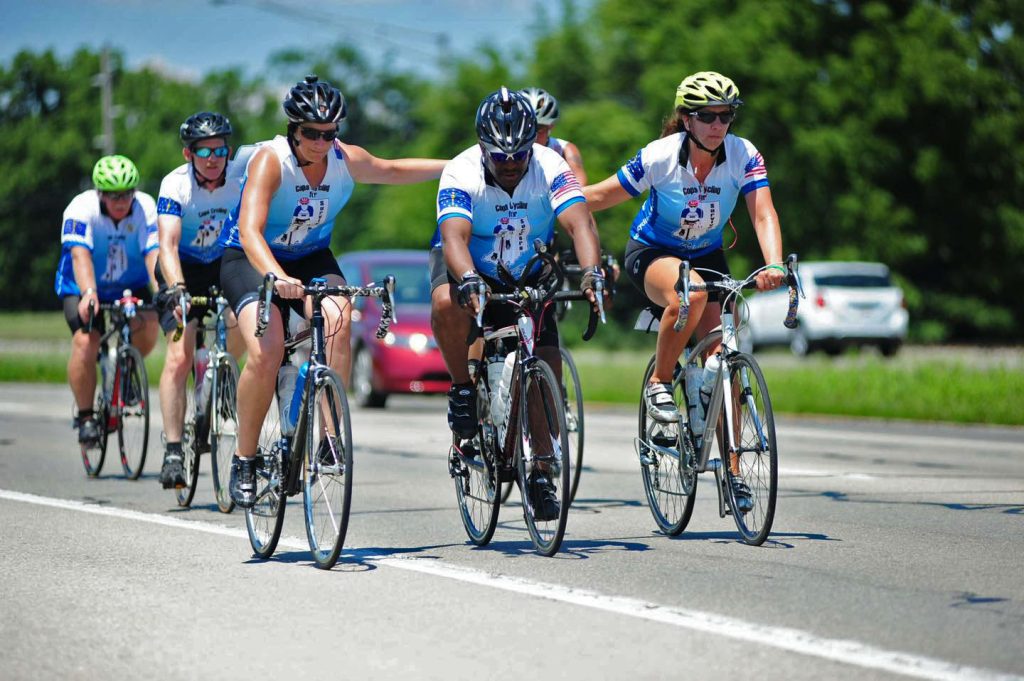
263	304
684	296
794	293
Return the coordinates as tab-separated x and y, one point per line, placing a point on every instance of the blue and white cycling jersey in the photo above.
202	211
504	227
118	250
557	145
301	218
681	214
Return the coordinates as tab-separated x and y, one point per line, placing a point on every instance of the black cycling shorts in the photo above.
74	322
640	256
240	281
199	277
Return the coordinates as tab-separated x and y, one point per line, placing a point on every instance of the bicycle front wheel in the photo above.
94	453
670	486
754	463
542	450
223	417
573	401
327	470
131	399
189	446
266	517
475	474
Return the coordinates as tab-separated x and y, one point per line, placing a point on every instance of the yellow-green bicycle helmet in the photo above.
707	88
115	174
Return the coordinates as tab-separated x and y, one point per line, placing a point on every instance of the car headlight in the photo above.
417	342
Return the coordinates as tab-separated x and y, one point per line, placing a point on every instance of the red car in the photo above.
407	360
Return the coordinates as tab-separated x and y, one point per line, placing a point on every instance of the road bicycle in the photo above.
306	443
121	403
529	434
211	417
738	416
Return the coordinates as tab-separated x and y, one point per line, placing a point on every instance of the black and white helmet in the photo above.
544	105
203	126
505	122
311	101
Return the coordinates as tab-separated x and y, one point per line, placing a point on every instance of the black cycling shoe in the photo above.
88	430
172	473
462	410
243	481
741	493
543	498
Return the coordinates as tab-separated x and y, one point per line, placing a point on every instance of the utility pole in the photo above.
105	81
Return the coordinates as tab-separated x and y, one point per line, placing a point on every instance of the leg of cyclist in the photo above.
177	365
82	369
451	325
145	331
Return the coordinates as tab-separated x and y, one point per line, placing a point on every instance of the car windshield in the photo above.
412	281
853	280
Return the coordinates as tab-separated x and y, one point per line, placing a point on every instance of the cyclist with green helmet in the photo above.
108	244
695	173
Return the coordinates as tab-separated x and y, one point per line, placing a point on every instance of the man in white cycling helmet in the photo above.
546	108
108	244
194	201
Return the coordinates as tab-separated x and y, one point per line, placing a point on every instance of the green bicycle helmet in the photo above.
707	88
115	174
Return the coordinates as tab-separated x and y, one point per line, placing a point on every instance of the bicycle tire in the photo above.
94	453
758	459
541	386
264	520
662	474
189	447
132	410
573	400
476	483
327	474
223	419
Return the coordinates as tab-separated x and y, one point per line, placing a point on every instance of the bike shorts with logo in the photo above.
240	281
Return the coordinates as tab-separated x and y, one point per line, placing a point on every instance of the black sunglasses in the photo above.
119	196
207	152
726	117
314	135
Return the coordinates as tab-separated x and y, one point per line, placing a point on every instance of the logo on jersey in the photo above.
166	206
635	166
564	185
692	213
207	233
74	228
511	237
307	217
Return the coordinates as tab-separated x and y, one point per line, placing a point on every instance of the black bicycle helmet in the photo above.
203	126
311	101
505	121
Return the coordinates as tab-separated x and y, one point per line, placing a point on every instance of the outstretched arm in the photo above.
605	194
367	168
572	156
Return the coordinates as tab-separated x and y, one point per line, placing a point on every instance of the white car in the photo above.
847	303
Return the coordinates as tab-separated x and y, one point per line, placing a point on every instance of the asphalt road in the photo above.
897	551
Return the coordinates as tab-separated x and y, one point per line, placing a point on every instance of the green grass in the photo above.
33	326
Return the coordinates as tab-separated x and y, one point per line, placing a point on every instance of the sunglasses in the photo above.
314	135
502	157
726	117
207	152
119	196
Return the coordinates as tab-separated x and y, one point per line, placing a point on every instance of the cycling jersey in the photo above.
301	218
118	250
681	214
504	227
557	145
202	211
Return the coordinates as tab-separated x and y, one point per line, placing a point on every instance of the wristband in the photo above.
89	291
776	266
469	273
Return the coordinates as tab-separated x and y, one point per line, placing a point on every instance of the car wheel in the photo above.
362	381
889	347
799	345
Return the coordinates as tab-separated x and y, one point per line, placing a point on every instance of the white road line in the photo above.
793	640
859	437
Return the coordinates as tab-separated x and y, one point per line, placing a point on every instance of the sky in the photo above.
186	38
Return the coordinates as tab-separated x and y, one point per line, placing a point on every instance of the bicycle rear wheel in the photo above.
327	470
266	517
756	458
131	400
476	478
573	401
94	453
189	446
543	447
223	417
670	487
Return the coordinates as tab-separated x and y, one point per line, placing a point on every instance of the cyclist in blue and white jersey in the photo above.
193	204
695	174
108	244
293	188
493	201
546	108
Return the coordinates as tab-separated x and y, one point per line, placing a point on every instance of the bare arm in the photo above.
169	227
605	194
578	223
151	259
367	168
85	277
571	154
455	232
769	236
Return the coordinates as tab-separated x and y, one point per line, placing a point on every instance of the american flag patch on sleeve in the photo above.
564	184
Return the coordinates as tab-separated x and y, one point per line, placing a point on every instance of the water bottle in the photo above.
707	385
694	378
202	365
499	398
107	366
287	377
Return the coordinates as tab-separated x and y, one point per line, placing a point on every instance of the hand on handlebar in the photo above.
88	300
288	288
593	284
469	292
770	278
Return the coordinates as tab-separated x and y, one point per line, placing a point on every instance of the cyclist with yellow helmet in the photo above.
108	244
695	173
